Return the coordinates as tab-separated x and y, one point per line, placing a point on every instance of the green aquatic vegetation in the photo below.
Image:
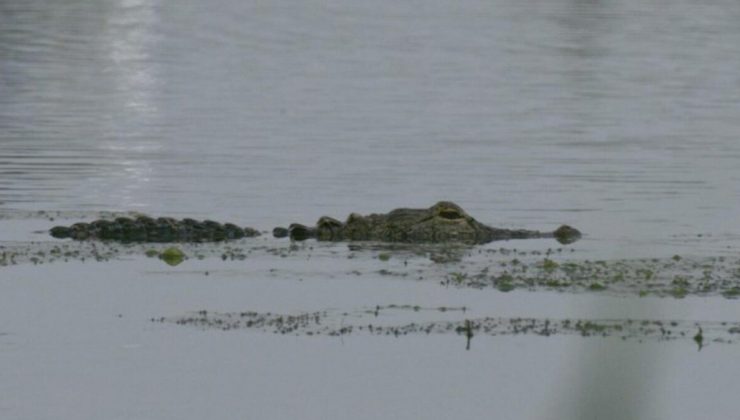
680	281
596	287
556	284
732	293
505	287
646	273
172	256
505	283
333	323
549	265
533	270
457	277
707	288
569	267
385	256
587	328
665	277
679	292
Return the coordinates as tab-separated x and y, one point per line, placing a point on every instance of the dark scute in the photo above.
233	231
280	232
210	224
124	221
299	232
60	232
147	229
250	232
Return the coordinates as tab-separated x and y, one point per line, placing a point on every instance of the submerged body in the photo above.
147	229
443	222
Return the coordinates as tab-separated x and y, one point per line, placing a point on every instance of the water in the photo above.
619	118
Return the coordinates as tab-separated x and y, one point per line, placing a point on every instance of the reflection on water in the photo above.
129	38
129	33
78	103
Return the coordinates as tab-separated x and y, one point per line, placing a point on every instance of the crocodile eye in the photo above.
450	214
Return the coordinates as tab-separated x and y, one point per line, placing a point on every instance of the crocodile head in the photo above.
446	221
442	222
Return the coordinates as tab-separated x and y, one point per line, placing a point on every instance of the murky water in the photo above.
619	118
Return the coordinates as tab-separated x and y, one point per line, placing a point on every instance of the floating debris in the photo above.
172	256
333	323
503	269
668	277
699	338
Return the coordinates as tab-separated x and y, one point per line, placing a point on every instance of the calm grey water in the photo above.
619	117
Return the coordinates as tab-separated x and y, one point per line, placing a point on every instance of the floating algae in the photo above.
668	277
335	323
172	256
502	269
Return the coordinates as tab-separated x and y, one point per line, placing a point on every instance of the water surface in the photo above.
619	118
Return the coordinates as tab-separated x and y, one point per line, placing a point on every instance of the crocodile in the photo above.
147	229
442	222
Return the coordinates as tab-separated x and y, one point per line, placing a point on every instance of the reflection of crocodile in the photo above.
147	229
443	222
